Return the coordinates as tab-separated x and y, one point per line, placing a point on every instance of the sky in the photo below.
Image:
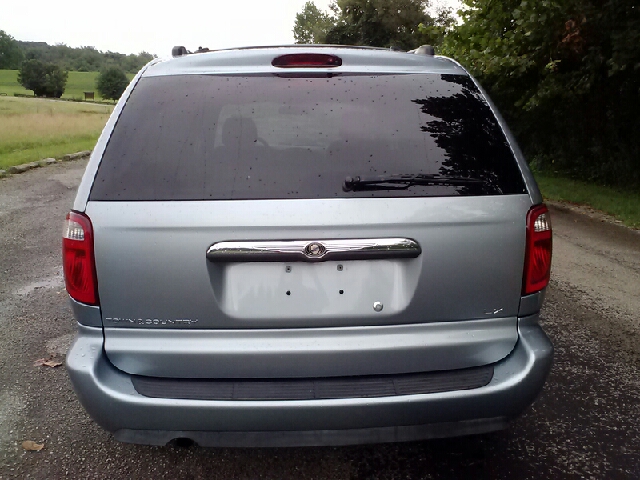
133	26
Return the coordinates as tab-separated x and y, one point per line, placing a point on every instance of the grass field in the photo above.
77	83
32	129
622	204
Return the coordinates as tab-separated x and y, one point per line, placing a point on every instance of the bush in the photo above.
45	79
111	83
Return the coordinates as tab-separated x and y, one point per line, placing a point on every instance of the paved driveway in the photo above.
586	423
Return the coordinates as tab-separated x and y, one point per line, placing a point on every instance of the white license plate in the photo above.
312	290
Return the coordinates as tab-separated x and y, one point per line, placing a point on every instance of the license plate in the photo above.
312	290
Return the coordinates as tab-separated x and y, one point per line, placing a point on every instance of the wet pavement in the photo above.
585	424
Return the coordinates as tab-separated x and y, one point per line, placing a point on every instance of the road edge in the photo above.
18	169
590	212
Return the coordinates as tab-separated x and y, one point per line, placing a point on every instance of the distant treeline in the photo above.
82	59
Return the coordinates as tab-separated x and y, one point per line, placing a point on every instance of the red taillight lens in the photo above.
537	262
306	60
78	260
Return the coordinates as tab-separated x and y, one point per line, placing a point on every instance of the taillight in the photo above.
78	260
306	60
537	262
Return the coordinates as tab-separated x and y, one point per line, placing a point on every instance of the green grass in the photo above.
621	204
9	83
77	84
32	128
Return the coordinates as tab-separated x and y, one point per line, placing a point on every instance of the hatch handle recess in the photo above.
313	250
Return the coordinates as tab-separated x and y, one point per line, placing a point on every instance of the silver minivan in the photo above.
306	245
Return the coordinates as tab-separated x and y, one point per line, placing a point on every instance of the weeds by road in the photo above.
621	204
33	129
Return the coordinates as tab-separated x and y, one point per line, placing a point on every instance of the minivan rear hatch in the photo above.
200	163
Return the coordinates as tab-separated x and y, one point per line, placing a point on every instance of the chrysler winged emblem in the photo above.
315	250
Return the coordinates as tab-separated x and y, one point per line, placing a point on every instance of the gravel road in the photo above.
586	422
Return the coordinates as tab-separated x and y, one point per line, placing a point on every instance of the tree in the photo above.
10	52
132	63
434	31
312	25
45	79
380	23
566	75
111	83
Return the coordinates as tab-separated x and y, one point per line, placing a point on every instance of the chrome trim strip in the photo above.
313	250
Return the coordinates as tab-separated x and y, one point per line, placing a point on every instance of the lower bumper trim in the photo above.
316	438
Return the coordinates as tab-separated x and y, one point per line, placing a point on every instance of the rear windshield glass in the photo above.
207	137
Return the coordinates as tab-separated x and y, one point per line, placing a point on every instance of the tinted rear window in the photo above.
206	137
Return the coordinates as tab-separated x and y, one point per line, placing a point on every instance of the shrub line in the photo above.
61	99
17	169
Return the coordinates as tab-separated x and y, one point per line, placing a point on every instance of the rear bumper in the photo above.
110	398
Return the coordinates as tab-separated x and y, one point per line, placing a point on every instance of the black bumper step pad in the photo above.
314	388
